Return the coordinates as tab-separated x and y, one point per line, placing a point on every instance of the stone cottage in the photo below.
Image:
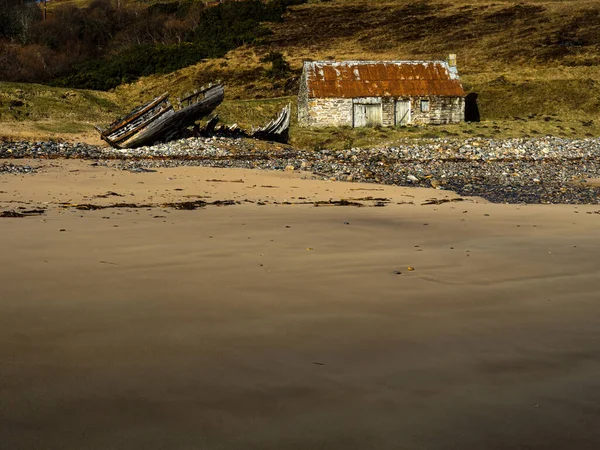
384	93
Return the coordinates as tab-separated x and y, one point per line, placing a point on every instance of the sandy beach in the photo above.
430	321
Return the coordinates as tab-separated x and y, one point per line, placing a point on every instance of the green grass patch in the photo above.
504	97
35	102
64	127
249	113
346	137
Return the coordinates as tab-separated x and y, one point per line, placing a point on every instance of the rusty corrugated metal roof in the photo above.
351	79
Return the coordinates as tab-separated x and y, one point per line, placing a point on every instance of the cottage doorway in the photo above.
367	115
402	113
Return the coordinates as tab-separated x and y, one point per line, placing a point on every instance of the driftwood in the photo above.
158	121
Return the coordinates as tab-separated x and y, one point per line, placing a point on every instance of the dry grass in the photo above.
487	35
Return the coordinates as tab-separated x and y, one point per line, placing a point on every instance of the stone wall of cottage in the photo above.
326	112
335	112
442	110
303	120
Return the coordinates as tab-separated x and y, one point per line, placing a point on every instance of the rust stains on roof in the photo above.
352	79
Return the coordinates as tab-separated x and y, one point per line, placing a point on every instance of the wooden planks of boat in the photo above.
277	129
122	132
196	109
157	120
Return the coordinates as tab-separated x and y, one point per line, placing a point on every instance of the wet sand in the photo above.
284	326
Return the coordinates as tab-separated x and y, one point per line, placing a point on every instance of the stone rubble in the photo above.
533	170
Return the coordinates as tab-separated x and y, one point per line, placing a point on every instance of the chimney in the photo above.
452	66
452	60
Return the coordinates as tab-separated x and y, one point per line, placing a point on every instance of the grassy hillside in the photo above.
535	64
533	57
35	111
530	57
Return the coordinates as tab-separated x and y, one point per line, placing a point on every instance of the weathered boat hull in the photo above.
186	117
158	121
123	132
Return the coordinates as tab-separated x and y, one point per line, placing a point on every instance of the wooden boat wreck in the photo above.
277	129
158	121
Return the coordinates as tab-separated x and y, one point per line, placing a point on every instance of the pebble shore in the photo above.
535	170
16	169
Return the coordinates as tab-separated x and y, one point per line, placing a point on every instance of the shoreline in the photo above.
541	170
